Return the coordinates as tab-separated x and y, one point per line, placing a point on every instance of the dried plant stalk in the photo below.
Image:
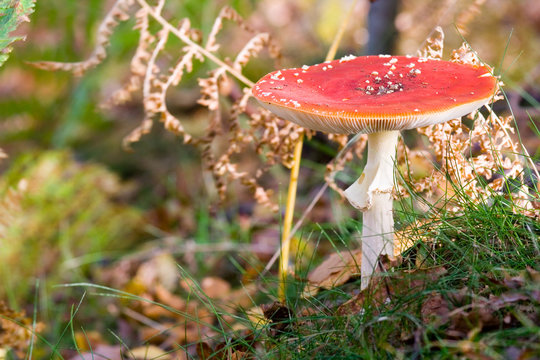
119	12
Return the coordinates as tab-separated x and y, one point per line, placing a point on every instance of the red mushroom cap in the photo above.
375	93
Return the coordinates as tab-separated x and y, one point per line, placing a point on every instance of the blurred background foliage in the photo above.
58	216
42	110
71	197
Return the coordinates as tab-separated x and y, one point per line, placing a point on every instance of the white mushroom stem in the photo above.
372	194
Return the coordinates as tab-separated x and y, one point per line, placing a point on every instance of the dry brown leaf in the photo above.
172	333
243	297
336	270
161	269
279	315
101	352
149	352
340	267
256	317
204	351
461	314
434	308
188	284
153	335
88	340
486	312
215	288
385	286
16	330
165	297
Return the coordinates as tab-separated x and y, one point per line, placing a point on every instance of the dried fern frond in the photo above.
139	61
153	73
218	84
433	46
255	45
226	13
466	16
466	55
118	13
17	331
479	158
210	90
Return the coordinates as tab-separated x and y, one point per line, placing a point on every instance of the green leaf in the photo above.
12	13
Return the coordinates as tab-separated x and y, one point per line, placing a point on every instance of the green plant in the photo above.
12	14
57	218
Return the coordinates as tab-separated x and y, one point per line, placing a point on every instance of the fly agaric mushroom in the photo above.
377	95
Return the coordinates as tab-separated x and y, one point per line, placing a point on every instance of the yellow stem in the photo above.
293	181
339	35
287	221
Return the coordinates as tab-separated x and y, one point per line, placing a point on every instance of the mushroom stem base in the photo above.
372	194
377	234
